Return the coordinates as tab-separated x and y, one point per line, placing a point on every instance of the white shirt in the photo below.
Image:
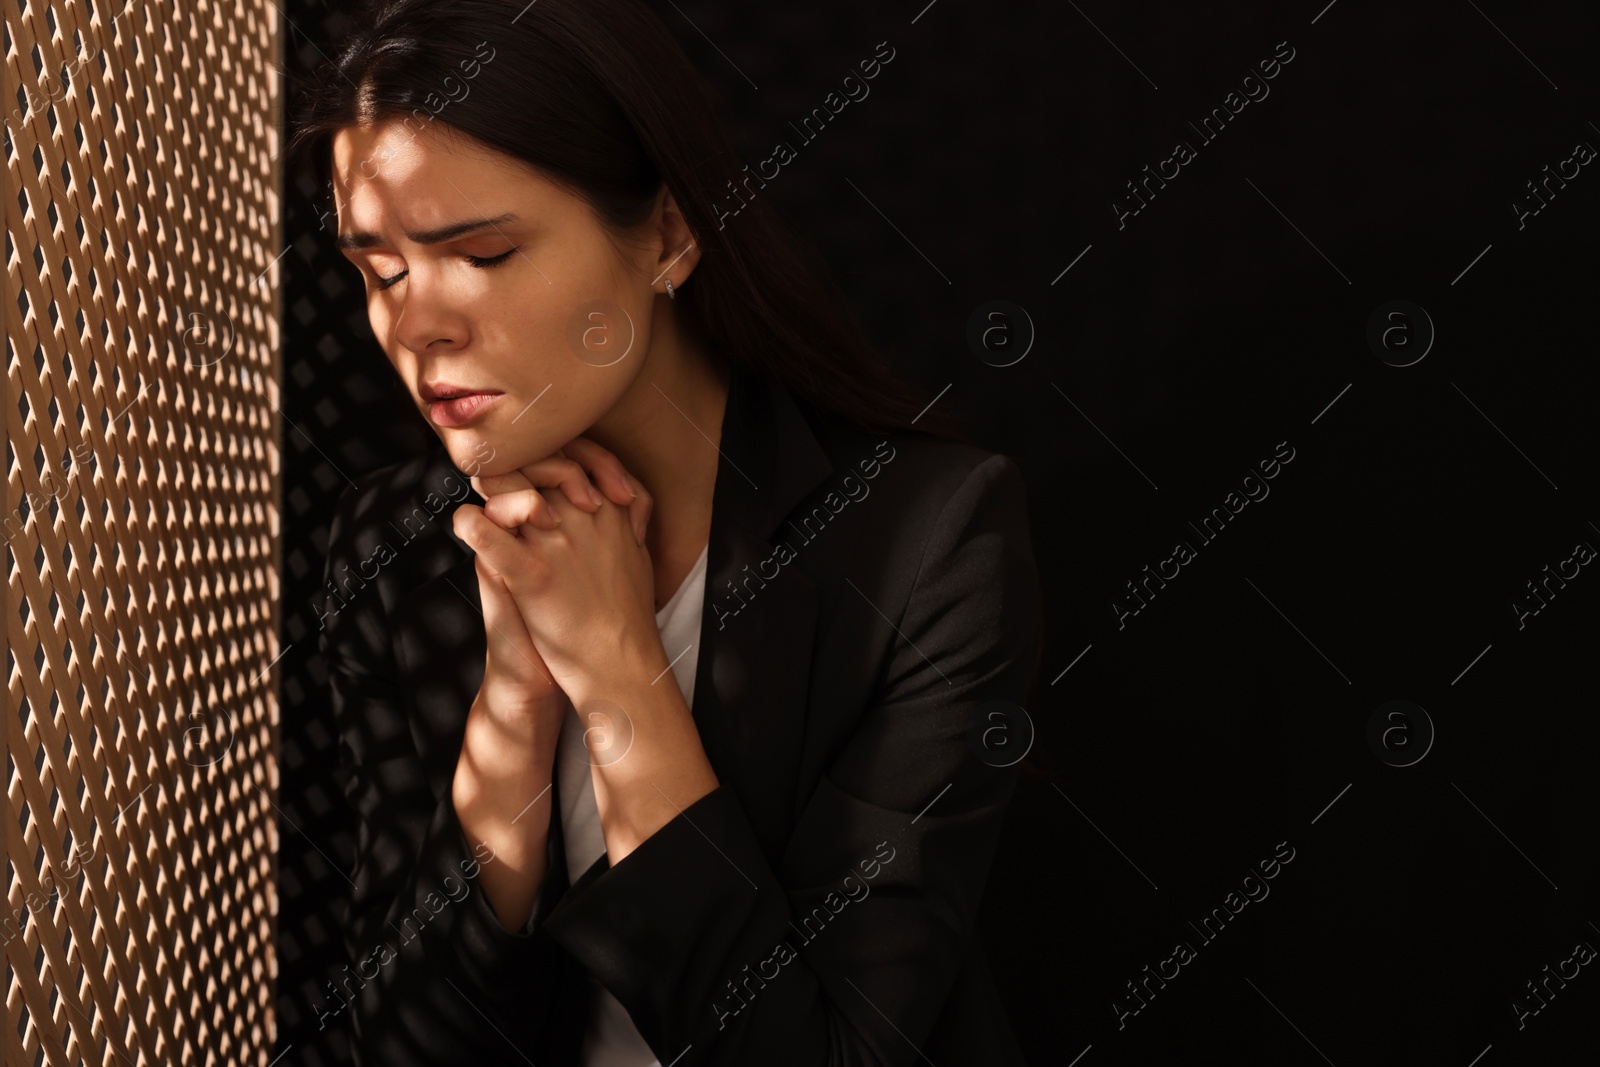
611	1039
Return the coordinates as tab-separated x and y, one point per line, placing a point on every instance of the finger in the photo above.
524	506
619	486
495	485
511	481
605	469
546	474
639	515
499	548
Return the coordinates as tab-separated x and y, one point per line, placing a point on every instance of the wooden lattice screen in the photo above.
141	518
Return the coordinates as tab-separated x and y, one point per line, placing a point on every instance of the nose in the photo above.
426	320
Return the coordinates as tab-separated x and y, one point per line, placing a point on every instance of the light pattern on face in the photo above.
483	274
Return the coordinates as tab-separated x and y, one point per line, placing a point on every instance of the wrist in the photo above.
525	726
633	672
502	750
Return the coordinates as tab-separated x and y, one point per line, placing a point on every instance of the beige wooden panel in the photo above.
141	522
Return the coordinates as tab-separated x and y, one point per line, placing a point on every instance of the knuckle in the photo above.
516	506
537	504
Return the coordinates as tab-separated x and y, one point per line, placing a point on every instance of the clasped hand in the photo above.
565	580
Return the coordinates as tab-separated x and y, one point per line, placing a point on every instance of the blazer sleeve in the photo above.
846	952
433	974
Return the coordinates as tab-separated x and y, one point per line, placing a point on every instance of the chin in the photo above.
475	455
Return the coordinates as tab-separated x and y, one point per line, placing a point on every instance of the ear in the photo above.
679	251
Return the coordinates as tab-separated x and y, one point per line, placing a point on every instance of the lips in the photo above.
456	405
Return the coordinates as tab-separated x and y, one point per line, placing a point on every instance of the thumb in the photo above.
490	542
511	650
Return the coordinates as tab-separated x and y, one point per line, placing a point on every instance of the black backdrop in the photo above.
1168	352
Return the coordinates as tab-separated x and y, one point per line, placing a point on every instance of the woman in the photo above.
684	460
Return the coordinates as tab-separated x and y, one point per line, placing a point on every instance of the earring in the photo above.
670	294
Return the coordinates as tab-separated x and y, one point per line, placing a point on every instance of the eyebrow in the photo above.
427	237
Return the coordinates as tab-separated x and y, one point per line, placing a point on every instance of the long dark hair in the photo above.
598	96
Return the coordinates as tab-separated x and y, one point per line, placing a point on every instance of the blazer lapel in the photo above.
756	628
758	617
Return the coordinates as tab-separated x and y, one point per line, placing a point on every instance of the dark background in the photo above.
1177	352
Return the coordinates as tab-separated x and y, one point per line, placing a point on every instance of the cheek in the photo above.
596	321
379	316
604	335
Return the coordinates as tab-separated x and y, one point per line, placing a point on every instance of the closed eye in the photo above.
491	261
479	262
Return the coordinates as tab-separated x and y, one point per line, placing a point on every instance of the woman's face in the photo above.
539	309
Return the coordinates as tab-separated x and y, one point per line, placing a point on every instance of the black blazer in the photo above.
865	596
